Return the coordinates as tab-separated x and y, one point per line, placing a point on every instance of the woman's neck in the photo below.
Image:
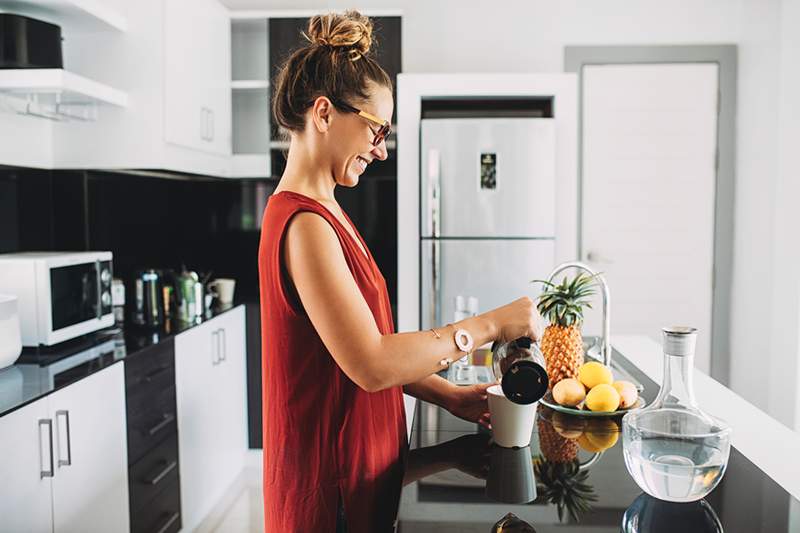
305	175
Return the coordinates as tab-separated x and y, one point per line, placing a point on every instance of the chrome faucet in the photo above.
606	345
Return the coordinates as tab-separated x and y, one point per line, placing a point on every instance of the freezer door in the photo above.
488	177
496	272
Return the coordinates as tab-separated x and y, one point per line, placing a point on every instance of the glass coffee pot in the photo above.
673	449
520	367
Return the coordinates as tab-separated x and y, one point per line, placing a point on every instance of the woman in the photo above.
334	369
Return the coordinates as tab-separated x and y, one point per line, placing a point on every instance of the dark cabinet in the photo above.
153	469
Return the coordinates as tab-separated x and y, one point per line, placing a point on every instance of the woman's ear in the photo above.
322	113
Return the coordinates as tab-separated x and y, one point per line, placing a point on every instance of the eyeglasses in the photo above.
384	128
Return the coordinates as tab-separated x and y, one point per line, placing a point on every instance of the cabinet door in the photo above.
25	453
196	67
90	486
219	72
233	391
201	421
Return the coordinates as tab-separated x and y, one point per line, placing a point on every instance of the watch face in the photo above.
464	340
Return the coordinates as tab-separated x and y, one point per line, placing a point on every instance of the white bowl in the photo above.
10	336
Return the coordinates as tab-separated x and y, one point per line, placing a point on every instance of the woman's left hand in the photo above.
470	403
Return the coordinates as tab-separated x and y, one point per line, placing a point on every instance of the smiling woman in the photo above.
334	368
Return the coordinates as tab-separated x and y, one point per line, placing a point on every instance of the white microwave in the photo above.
61	295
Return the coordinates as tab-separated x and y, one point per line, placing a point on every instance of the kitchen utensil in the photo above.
10	333
149	298
519	365
674	450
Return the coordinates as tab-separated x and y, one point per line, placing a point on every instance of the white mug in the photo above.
10	332
222	289
512	423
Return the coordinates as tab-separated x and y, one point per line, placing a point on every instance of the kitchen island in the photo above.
460	486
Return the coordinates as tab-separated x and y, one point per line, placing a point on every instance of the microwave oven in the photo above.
61	295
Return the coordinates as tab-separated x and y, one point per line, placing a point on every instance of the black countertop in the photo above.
41	371
464	481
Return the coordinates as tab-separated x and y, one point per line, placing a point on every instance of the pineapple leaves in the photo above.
563	304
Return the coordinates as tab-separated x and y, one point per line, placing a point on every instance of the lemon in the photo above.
602	397
569	392
627	392
594	373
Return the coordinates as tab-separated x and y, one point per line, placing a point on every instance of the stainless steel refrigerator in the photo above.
487	199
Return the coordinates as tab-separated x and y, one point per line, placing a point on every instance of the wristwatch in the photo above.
464	341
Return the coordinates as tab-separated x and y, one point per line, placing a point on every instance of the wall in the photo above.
529	36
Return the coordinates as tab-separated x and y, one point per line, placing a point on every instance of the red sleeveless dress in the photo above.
326	440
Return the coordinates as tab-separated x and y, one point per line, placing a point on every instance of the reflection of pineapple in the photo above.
562	305
558	470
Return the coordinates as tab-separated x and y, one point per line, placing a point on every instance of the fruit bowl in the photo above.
581	410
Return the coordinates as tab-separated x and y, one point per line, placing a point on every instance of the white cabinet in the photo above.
174	63
64	459
197	69
26	468
211	399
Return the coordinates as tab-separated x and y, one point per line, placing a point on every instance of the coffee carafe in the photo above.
520	367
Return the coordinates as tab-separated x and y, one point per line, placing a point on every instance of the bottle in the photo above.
519	365
673	449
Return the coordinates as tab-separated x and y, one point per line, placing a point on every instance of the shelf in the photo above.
66	88
250	166
71	15
245	85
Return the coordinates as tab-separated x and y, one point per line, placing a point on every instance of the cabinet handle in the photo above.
153	480
49	423
169	522
224	343
215	347
62	462
203	123
167	419
149	377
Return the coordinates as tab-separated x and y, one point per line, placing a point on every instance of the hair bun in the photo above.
350	31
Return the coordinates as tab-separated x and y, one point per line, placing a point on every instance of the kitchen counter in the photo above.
461	486
41	371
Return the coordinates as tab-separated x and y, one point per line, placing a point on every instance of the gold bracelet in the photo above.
436	333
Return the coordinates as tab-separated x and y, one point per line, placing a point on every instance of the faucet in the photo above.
606	345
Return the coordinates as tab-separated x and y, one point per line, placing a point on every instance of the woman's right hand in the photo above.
518	319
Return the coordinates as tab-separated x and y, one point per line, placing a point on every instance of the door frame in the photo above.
725	56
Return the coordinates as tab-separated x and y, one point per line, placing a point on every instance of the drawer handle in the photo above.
149	377
169	522
153	480
168	418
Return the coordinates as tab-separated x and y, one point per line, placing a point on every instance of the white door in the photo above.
649	172
26	466
197	74
232	391
90	486
201	420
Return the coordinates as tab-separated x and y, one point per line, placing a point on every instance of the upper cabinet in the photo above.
197	69
174	63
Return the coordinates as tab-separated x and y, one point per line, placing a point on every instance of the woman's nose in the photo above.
380	151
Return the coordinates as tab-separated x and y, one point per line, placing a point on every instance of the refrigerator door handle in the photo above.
434	192
436	284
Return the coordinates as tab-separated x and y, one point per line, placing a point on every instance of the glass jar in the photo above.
673	449
519	366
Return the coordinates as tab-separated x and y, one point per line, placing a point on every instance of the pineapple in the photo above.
562	305
558	470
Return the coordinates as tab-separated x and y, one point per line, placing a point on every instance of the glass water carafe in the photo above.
674	450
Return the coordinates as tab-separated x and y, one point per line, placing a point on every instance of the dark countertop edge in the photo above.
166	338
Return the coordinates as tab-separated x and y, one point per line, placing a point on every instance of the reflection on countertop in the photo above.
572	476
43	370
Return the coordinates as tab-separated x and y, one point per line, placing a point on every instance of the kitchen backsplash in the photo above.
164	222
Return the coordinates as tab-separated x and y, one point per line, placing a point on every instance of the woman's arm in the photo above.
432	389
337	309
